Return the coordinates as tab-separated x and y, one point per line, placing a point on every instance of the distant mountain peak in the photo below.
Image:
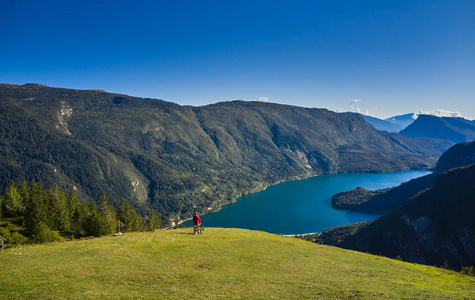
405	116
401	122
441	113
444	128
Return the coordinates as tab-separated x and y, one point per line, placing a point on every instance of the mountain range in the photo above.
452	128
383	125
177	159
402	121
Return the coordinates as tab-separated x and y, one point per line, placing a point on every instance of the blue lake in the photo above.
302	206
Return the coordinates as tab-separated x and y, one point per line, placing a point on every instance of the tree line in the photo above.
31	214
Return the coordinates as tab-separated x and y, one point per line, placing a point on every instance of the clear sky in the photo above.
393	56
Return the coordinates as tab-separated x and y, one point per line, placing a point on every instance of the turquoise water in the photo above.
302	206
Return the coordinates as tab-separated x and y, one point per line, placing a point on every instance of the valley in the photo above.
175	159
126	158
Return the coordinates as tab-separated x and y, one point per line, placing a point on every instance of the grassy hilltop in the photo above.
222	264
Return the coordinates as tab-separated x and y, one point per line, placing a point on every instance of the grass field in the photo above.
221	264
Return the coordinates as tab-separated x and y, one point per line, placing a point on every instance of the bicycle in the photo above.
198	229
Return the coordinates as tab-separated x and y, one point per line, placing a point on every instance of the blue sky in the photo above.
395	56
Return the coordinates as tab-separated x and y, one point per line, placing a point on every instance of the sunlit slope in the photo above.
222	264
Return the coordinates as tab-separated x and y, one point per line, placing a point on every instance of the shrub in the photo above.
468	271
42	234
17	239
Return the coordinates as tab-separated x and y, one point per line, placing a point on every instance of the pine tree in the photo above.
42	234
82	216
11	203
126	215
58	209
138	223
76	212
153	222
92	224
76	221
36	209
72	203
23	190
107	213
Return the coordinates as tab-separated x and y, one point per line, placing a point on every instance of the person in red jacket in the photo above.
196	219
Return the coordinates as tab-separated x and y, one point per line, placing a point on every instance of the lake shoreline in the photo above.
301	206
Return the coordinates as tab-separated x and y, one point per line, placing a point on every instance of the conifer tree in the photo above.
36	209
92	224
77	220
82	217
72	203
58	209
41	233
138	224
11	203
107	215
76	212
153	222
23	190
127	215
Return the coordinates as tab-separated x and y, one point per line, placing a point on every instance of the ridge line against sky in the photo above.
394	57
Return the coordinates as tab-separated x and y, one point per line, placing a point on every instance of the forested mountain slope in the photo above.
459	155
175	158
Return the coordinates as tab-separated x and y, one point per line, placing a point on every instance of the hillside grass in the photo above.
221	264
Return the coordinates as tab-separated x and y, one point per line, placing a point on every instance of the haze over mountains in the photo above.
393	124
452	129
177	159
439	124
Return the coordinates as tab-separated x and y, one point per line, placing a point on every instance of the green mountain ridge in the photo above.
459	155
384	200
177	159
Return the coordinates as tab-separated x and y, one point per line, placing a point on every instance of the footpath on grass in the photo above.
221	264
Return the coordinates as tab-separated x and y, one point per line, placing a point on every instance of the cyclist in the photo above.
196	220
198	226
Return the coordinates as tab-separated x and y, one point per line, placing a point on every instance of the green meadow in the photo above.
221	264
